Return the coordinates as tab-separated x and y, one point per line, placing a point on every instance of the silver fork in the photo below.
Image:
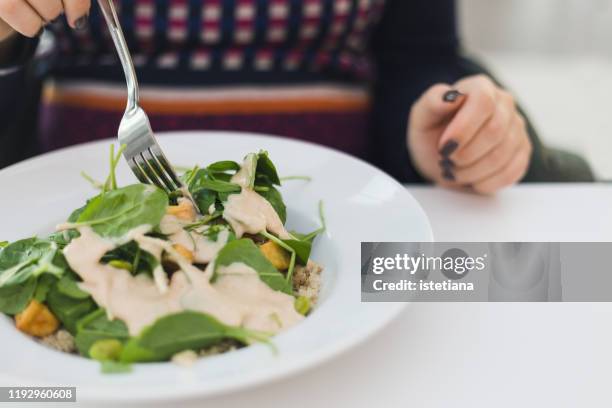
142	152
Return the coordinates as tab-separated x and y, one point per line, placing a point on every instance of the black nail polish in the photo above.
81	22
446	163
449	148
448	175
40	32
451	96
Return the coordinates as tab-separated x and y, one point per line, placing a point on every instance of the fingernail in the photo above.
451	96
448	175
40	32
449	148
81	22
447	163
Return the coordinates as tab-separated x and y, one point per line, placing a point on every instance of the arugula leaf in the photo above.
245	251
182	331
68	309
115	212
96	326
15	298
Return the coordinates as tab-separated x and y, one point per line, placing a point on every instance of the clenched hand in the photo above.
29	17
469	135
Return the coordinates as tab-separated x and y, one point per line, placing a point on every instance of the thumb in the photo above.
437	105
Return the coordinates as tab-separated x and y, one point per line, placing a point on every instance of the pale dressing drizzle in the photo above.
238	297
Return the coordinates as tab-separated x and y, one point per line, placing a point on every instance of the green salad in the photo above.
139	275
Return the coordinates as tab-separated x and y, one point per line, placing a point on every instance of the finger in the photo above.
509	175
435	105
77	12
19	15
49	10
490	135
478	107
497	158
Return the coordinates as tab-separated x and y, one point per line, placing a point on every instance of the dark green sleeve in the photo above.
547	164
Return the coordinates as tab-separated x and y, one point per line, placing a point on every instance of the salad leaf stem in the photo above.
283	245
320	230
288	178
205	220
111	180
98	185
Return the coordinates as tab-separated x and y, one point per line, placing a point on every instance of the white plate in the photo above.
361	204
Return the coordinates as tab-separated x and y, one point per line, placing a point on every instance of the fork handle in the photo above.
110	15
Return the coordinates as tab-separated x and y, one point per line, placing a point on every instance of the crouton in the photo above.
184	210
36	320
277	256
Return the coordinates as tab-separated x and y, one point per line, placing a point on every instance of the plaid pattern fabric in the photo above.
231	35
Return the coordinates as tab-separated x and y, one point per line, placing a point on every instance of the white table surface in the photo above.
471	354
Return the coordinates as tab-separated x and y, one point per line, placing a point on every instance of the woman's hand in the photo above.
29	17
469	135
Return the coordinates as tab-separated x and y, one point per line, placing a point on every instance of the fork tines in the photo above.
152	167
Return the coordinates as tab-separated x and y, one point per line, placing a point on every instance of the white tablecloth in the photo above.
472	354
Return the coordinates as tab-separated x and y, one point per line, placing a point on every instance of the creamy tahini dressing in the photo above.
238	297
248	212
246	173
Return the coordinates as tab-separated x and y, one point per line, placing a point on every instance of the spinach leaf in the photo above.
96	326
182	331
245	251
68	309
44	284
302	249
3	244
219	186
276	200
27	258
63	238
115	212
223	166
204	198
15	298
266	168
207	187
140	261
67	286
